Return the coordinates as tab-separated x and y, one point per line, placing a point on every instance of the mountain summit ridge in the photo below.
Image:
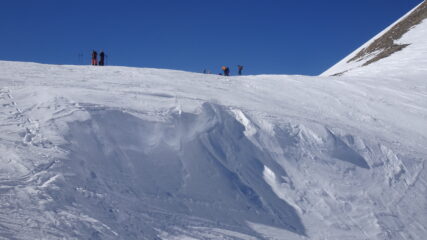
383	45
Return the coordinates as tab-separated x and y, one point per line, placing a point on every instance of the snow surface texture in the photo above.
414	51
126	153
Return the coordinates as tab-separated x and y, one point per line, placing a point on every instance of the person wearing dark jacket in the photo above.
101	58
94	58
240	68
226	71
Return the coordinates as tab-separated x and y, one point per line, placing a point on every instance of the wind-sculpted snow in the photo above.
198	166
127	153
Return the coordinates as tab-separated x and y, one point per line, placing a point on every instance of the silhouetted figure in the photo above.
94	58
240	68
101	58
226	70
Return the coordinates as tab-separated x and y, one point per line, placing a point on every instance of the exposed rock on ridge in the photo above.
385	44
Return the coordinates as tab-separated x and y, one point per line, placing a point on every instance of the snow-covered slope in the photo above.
395	49
127	153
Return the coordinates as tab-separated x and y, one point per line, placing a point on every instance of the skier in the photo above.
240	68
226	70
94	58
101	58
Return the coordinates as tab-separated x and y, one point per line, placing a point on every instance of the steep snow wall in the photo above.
193	166
134	178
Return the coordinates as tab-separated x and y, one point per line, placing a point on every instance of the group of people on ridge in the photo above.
226	70
95	58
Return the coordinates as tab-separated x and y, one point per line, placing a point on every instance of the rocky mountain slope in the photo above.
387	43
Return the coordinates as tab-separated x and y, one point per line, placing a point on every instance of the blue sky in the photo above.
266	36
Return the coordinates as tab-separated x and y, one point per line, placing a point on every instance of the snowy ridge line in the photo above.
343	65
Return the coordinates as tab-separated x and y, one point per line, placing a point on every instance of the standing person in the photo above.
101	58
240	68
226	70
94	58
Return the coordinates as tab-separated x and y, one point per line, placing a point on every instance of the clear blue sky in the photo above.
266	36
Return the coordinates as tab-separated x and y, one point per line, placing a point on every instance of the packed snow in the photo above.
133	153
128	153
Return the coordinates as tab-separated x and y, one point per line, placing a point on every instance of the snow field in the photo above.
127	153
